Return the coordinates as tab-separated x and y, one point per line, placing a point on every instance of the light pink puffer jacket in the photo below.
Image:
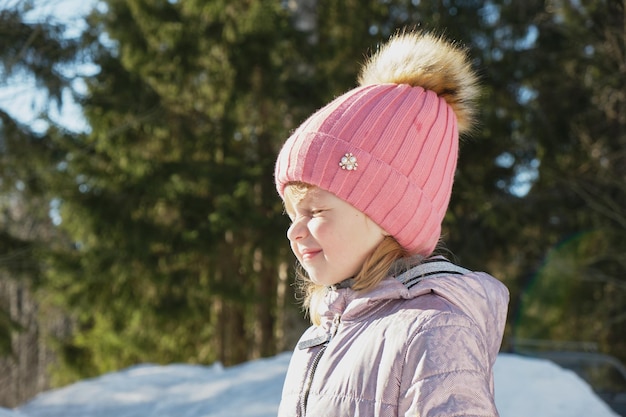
421	344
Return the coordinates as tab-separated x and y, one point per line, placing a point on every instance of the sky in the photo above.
525	387
20	97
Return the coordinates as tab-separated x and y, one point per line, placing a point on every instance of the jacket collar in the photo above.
342	299
429	269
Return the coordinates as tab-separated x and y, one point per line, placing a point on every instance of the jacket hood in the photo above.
481	297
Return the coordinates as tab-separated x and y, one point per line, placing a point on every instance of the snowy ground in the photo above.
524	387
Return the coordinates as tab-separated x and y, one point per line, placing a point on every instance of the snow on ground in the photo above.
524	387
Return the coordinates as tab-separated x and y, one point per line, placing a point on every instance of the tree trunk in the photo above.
23	374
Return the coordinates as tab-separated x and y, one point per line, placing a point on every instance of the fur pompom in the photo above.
431	62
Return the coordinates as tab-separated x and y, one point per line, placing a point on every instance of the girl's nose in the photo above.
297	230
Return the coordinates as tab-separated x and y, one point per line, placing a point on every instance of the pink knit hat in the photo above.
389	147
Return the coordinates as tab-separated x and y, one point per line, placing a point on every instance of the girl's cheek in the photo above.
320	226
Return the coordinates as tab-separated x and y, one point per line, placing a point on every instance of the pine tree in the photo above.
36	49
169	200
578	122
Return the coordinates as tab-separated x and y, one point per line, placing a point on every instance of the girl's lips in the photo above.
309	253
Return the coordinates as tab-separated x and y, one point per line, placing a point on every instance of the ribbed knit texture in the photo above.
405	140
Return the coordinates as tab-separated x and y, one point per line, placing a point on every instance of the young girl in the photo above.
366	182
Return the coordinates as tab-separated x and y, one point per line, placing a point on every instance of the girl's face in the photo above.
330	237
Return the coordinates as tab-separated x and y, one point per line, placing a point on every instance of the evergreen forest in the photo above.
155	233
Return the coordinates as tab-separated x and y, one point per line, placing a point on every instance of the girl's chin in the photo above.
318	277
326	282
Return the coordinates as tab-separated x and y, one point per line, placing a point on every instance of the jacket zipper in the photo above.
309	380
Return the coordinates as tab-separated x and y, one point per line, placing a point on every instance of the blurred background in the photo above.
138	216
